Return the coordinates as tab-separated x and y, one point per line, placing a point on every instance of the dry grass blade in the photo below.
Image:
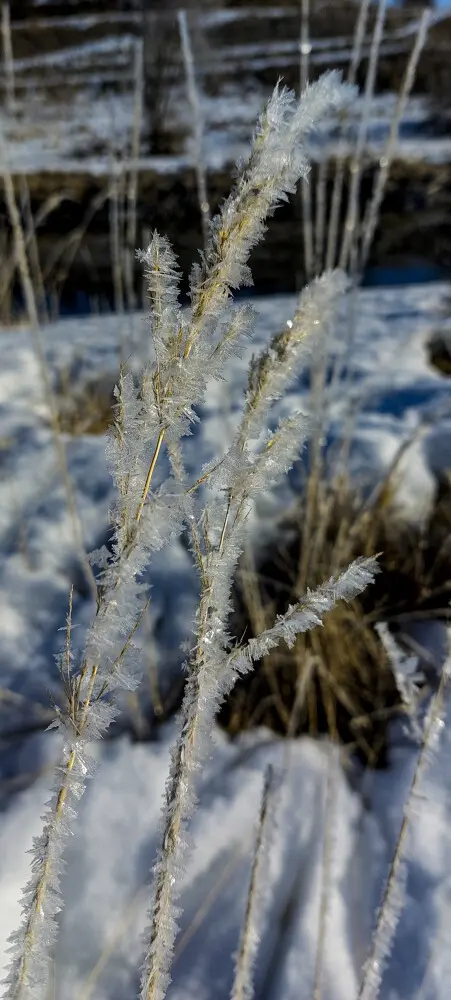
372	213
19	240
393	898
67	248
243	988
132	187
306	198
8	57
326	867
31	245
30	300
205	907
320	214
349	235
116	197
196	110
337	190
89	985
9	267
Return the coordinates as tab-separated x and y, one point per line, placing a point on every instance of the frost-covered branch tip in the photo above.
277	161
308	613
163	276
280	364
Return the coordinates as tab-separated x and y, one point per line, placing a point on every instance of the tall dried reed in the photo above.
157	412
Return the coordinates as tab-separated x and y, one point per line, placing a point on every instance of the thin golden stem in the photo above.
150	474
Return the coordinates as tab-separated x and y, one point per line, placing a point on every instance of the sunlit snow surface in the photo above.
390	384
74	105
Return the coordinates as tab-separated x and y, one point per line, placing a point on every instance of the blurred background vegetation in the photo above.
97	136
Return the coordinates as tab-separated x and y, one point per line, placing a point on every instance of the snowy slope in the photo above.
100	948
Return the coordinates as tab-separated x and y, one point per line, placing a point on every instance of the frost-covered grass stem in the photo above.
198	130
393	898
210	676
306	196
132	185
159	407
243	987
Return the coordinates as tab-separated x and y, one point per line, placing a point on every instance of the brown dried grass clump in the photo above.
337	679
86	407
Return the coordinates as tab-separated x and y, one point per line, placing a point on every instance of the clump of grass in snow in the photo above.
339	679
334	680
151	509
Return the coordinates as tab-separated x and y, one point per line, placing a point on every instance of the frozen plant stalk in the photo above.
372	214
154	411
276	161
243	986
332	232
198	125
394	894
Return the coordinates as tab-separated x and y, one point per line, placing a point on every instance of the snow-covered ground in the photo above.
74	105
387	380
47	135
